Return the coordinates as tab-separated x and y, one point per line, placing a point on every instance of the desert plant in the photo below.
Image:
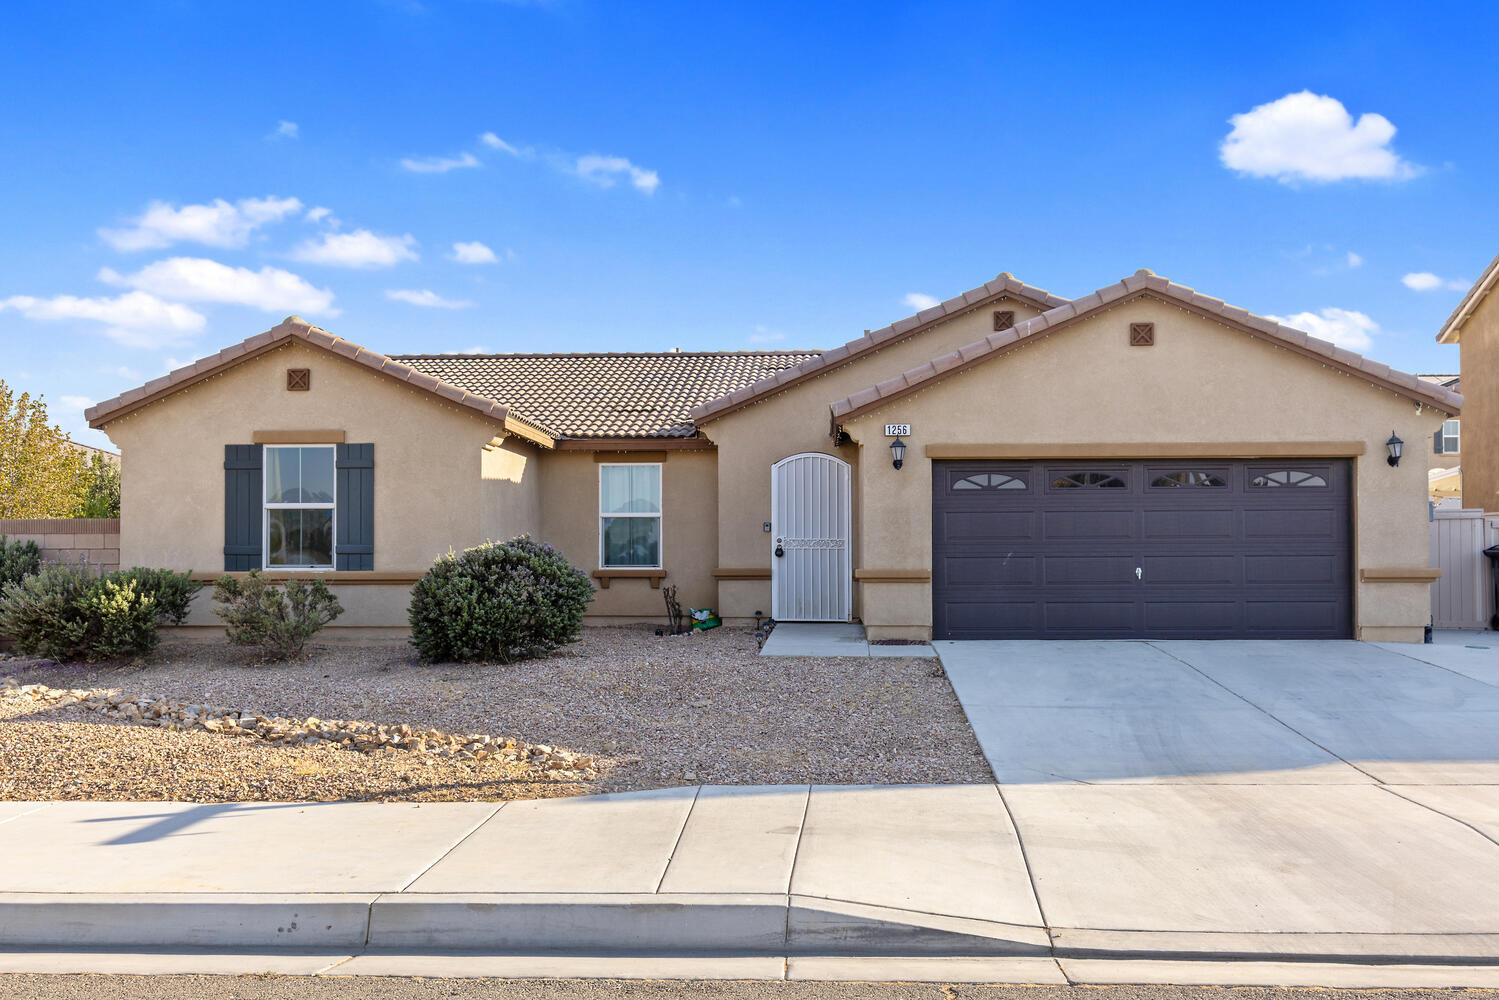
172	591
278	620
498	602
18	560
66	613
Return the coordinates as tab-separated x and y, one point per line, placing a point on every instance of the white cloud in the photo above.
918	301
425	297
440	164
217	225
319	214
136	319
1354	260
287	130
765	335
495	142
75	403
1311	137
359	249
1425	281
473	253
1343	327
604	171
197	279
476	349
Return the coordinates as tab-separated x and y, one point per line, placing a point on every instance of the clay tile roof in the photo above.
608	395
1451	331
1004	286
1423	389
296	328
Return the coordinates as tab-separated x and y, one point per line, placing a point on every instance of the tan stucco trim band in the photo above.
297	437
603	576
635	444
628	457
892	575
741	573
59	526
344	578
1399	575
1161	449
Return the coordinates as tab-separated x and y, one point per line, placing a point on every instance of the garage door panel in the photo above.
1181	617
1090	616
1292	522
1181	523
989	571
1085	569
973	526
1311	569
982	616
1286	617
1201	569
1219	556
1092	525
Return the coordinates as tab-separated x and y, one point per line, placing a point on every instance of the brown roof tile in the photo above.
612	394
1005	285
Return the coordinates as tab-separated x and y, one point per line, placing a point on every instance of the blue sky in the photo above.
452	175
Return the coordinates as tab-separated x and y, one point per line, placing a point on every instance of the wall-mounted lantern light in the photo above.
898	453
1394	446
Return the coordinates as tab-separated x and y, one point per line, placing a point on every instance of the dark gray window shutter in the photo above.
242	506
1436	443
354	548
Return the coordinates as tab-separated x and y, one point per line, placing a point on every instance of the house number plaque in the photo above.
897	430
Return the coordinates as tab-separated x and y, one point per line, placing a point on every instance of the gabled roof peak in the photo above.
1141	283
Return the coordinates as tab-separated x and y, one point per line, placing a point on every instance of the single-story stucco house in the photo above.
1141	461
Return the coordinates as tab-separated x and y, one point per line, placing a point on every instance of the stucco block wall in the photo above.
1479	349
756	437
92	540
1201	382
430	491
689	530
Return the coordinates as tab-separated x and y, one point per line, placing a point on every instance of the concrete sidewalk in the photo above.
748	879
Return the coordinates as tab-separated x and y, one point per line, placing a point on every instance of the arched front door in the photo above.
811	574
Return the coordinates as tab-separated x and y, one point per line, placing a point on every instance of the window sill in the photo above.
604	576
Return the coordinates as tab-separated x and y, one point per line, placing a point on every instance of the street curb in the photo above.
184	920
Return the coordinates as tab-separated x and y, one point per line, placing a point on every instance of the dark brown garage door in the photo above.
1071	550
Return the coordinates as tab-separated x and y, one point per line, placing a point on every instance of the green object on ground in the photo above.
704	618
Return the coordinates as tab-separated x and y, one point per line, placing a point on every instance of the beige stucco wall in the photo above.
435	485
752	439
1201	382
569	484
1480	371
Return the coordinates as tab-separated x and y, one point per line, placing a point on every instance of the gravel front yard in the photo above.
653	711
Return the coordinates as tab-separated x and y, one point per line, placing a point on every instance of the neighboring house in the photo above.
1142	461
1474	327
1444	474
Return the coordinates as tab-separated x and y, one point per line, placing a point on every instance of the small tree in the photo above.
41	473
100	487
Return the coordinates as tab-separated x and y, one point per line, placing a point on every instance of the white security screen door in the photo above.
811	564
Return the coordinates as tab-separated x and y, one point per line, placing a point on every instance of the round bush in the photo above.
498	602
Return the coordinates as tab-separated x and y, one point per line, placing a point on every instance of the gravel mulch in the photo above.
653	711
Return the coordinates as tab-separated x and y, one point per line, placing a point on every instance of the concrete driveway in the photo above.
1169	794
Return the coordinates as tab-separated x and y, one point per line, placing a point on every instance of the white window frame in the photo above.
266	508
1456	439
659	516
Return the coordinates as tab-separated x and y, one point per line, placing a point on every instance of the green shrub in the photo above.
66	613
498	602
256	613
18	560
172	591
